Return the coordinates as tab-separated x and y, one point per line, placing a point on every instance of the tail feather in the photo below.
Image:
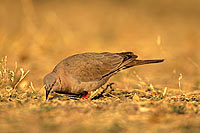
130	63
142	62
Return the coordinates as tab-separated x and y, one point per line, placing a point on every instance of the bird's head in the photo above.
51	83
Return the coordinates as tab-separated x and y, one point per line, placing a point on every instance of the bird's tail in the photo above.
142	62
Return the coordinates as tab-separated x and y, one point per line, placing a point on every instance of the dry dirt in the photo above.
37	34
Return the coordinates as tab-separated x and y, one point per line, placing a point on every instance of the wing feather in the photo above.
94	66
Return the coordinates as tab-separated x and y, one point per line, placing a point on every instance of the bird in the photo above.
86	72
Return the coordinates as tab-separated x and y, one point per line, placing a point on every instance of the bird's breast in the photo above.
71	84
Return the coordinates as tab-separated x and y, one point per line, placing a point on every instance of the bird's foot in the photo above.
84	95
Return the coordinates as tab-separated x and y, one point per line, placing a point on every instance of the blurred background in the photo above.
37	34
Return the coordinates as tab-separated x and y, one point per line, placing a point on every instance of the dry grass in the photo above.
162	97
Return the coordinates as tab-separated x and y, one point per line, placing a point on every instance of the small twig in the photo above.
95	93
165	91
16	66
179	82
135	97
22	77
151	86
114	96
32	87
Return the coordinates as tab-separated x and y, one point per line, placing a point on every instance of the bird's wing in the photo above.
95	66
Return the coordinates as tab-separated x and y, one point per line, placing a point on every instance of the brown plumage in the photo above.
89	71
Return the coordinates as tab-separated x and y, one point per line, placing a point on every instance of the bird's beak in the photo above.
47	94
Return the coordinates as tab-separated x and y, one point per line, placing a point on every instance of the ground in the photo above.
36	34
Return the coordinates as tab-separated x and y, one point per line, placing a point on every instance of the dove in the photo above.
87	72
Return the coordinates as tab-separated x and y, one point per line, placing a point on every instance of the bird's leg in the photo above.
102	91
98	93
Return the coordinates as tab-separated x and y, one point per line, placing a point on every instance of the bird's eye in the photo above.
53	83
